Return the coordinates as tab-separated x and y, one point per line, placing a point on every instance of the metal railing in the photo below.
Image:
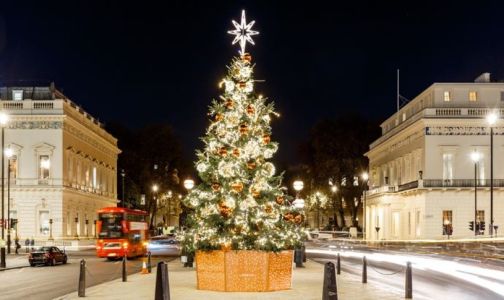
408	186
461	182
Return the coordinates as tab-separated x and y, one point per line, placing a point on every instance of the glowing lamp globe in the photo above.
298	203
189	184
298	185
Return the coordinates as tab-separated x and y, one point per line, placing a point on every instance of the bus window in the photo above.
111	225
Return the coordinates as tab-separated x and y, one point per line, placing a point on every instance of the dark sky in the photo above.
149	61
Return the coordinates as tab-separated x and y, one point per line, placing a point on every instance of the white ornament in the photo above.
252	149
245	72
202	167
230	202
226	169
243	32
230	85
268	169
249	87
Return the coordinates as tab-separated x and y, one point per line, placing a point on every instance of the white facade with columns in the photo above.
64	164
421	183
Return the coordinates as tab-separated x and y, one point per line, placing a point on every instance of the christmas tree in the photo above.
240	203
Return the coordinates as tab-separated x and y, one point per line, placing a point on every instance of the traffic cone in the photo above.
144	268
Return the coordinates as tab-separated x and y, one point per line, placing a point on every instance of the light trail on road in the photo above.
493	279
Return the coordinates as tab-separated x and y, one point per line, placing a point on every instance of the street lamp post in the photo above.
365	178
475	156
50	230
491	119
189	257
4	118
334	189
8	154
123	174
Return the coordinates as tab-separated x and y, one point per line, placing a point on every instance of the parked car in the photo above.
164	245
49	256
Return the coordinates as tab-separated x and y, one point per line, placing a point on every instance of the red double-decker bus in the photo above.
121	232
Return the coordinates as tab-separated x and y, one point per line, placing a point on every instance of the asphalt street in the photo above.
43	282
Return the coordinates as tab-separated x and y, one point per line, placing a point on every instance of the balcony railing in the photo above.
408	186
436	183
461	182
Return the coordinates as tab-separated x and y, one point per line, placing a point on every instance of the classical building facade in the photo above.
63	167
422	178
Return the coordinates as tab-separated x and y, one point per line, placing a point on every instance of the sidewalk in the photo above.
13	261
306	285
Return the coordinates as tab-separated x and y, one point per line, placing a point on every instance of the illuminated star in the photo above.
243	32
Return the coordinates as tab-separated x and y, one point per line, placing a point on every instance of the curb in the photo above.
13	268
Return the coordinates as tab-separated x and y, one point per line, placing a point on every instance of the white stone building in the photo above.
64	164
421	174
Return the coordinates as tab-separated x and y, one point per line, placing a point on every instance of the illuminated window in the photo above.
94	177
473	96
447	222
44	222
404	117
447	168
13	167
17	95
44	166
447	96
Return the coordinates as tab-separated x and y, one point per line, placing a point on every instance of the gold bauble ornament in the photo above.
266	139
244	129
251	165
246	57
236	152
223	151
229	103
250	109
219	117
237	187
215	187
279	200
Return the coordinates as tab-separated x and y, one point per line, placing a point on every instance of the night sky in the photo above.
149	61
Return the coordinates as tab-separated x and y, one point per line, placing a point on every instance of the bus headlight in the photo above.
145	244
125	245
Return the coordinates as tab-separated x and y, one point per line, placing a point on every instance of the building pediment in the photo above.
43	148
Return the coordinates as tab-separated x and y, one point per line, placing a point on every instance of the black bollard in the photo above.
409	282
190	260
298	258
304	253
338	265
2	257
149	266
124	273
330	289
162	282
364	270
82	279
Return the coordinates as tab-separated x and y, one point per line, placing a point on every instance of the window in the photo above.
417	223
44	166
17	95
94	177
447	222
447	168
13	167
44	222
473	96
446	96
404	117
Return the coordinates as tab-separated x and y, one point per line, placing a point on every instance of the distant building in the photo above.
64	164
421	172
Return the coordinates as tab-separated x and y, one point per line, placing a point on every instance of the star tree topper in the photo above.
243	32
